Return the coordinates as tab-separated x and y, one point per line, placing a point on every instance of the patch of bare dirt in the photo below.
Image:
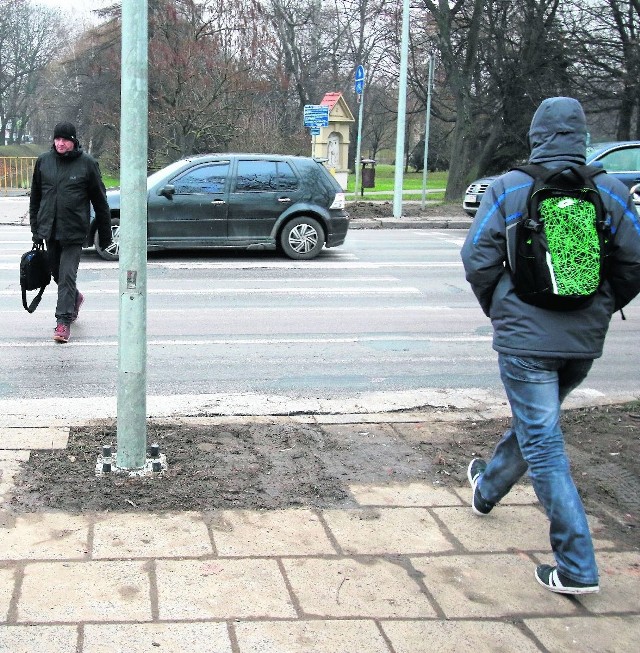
370	209
281	463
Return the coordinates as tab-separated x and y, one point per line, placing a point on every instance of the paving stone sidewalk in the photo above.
410	569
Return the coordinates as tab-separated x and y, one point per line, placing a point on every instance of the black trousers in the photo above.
64	261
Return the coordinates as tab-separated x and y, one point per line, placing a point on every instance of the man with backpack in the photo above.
65	181
517	252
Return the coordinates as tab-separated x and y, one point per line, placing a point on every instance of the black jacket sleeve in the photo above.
35	196
98	198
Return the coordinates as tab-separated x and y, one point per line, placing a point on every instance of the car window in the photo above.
265	176
624	160
287	179
158	175
207	178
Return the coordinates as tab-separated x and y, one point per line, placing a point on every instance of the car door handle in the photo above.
218	202
284	200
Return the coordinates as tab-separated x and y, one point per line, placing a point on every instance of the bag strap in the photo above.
34	303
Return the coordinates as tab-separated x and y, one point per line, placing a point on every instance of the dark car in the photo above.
620	159
249	201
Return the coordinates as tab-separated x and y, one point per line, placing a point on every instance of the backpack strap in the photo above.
34	303
539	174
583	173
533	170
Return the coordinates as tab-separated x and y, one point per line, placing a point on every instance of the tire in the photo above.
112	253
302	238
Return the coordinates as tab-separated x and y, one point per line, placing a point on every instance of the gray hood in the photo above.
558	132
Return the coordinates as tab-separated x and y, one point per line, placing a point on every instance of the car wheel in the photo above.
112	252
302	238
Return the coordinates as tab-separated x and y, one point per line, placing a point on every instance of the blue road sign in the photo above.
359	79
316	115
314	131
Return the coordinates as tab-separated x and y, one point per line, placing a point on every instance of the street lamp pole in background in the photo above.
359	89
402	110
132	332
427	122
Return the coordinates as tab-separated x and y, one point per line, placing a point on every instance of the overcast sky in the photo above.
75	6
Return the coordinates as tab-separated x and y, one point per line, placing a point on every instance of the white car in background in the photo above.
620	159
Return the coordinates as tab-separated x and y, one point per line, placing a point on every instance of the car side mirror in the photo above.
597	164
168	191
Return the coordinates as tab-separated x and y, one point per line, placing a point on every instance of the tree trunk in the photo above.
461	156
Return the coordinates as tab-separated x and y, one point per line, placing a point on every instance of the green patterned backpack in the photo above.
562	239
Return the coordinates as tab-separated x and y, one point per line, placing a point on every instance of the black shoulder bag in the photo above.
35	274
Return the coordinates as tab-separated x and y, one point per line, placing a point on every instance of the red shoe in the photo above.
62	333
79	303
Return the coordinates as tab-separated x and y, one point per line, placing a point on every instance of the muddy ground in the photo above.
261	463
411	209
269	463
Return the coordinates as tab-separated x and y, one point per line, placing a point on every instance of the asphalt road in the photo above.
386	321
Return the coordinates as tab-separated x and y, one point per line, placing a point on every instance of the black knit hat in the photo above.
65	130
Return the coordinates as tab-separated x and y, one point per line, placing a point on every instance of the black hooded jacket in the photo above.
63	185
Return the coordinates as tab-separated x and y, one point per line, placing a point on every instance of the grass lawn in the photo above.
24	150
21	170
384	178
411	181
110	181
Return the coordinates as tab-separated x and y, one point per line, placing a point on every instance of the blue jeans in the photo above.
535	388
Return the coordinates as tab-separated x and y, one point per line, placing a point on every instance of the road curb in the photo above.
435	222
14	212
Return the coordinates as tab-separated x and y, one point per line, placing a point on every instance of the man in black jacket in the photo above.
65	181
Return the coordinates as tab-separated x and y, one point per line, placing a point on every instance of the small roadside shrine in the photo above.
333	140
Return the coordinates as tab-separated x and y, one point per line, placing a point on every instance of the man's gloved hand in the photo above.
37	241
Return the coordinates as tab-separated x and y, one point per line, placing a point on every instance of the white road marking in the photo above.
203	342
356	290
258	265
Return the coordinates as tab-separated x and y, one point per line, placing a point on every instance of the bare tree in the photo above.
458	35
31	36
237	73
604	35
200	58
626	19
500	58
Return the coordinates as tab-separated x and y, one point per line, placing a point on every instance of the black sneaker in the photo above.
554	581
478	504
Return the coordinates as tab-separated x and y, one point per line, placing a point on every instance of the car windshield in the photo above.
155	177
